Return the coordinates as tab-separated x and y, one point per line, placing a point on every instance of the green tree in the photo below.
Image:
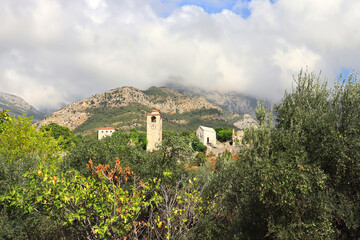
223	134
4	119
196	144
22	149
327	123
63	134
171	156
20	139
105	205
270	193
298	179
112	203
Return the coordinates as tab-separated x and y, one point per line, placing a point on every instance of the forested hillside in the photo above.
295	177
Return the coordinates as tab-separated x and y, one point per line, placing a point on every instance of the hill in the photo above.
18	106
127	107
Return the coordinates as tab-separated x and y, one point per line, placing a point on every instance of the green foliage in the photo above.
22	148
122	145
327	123
138	138
19	139
180	210
171	156
61	133
104	205
158	92
200	159
4	119
196	144
223	134
299	179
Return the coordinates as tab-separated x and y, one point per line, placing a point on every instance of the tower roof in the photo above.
154	112
106	128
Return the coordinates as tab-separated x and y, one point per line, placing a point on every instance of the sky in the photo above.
54	52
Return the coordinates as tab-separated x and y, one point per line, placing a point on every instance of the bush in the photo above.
223	134
197	145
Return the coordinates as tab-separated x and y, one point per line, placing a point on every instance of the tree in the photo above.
106	204
196	144
223	134
19	139
4	119
111	203
300	178
63	134
327	123
22	149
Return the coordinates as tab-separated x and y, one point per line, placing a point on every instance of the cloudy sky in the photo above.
54	52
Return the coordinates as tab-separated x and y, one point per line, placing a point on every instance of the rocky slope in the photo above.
245	122
18	106
233	102
167	100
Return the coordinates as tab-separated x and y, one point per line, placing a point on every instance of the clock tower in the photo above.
154	130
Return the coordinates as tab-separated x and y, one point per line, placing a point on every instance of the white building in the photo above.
105	132
206	135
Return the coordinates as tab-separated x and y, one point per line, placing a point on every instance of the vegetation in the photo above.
193	119
132	116
298	179
223	134
122	116
295	177
61	133
158	92
4	119
19	140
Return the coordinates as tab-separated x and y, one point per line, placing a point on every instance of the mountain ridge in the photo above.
18	106
167	100
231	101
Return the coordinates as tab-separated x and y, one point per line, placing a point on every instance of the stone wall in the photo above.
154	130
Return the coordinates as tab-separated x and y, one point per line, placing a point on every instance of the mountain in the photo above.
232	102
127	107
18	106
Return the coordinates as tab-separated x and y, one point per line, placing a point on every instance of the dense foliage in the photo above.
4	119
63	134
297	176
223	134
298	179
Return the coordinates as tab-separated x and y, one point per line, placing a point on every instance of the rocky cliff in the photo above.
18	106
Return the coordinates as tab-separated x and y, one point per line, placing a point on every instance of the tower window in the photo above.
153	119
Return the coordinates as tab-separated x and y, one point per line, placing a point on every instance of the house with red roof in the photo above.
105	132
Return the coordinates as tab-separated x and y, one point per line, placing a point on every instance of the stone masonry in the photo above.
154	130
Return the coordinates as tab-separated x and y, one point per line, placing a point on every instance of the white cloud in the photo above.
58	51
96	11
30	89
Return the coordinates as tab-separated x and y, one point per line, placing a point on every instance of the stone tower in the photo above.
154	130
